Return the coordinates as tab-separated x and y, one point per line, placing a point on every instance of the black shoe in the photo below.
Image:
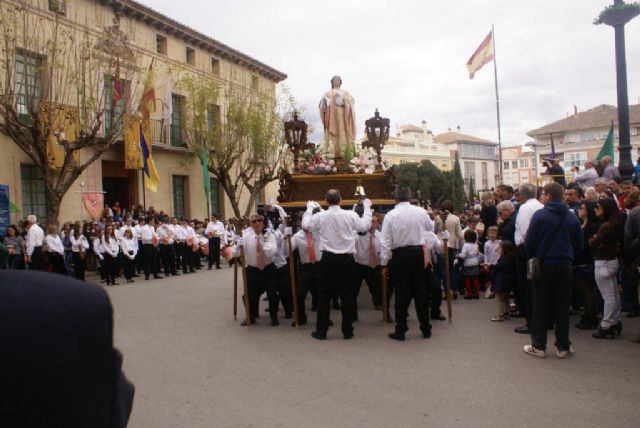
209	268
426	334
146	278
245	323
517	315
525	329
468	297
275	323
175	274
396	336
438	317
348	336
218	267
476	296
192	271
301	323
157	277
318	336
587	325
603	333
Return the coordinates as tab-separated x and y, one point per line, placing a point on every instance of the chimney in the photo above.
575	110
458	128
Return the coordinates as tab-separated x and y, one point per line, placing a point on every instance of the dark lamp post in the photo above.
616	16
295	135
377	130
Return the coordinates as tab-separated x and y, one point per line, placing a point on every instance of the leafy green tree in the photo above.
457	186
433	184
472	191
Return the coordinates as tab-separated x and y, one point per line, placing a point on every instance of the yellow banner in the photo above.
132	151
59	122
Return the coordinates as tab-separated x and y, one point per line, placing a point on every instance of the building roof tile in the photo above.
597	117
457	137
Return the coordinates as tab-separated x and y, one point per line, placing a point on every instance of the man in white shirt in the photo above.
523	291
137	233
308	247
35	238
259	249
586	178
368	268
166	235
150	254
402	258
334	228
214	231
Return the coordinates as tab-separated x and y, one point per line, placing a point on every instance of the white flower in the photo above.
368	170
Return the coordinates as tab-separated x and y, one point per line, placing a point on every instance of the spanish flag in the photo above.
152	180
148	101
482	55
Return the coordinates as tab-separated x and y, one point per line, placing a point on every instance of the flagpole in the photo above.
144	194
495	74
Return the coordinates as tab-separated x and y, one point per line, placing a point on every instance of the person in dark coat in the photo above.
507	227
58	366
503	275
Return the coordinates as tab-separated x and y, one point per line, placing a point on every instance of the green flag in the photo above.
204	158
607	148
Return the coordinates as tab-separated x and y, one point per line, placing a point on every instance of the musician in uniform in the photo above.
402	259
367	266
308	247
335	228
149	252
259	249
214	231
166	234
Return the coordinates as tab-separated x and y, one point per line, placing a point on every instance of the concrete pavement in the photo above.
194	366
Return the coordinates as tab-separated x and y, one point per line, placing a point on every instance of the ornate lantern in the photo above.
377	130
295	134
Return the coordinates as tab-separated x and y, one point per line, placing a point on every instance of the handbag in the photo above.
534	269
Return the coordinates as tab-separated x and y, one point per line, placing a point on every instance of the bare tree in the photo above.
64	92
242	133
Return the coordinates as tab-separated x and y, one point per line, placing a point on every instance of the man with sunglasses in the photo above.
334	228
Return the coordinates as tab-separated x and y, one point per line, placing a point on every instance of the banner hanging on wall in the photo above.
93	203
5	209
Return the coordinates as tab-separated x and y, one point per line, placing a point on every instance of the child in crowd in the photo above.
129	248
491	255
503	277
98	250
470	259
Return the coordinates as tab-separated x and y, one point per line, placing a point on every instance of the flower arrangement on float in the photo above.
312	162
366	162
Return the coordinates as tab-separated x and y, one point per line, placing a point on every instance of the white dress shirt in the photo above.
586	178
129	248
54	244
433	244
362	247
146	234
124	228
299	242
98	249
112	247
523	219
168	232
491	251
403	226
35	238
216	227
470	254
282	252
138	231
334	228
76	244
269	247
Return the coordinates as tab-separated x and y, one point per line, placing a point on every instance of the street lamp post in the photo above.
616	16
377	130
295	135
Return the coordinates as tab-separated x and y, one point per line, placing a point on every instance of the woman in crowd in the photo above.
488	213
129	248
583	267
507	226
66	243
55	251
79	247
111	249
15	247
451	223
98	250
605	247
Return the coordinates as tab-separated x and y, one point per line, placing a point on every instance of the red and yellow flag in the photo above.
148	101
482	55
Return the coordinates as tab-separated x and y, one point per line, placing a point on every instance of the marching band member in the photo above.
215	231
138	235
149	253
281	275
308	247
402	255
335	228
55	250
35	238
79	247
184	243
259	249
129	247
193	243
111	250
367	265
166	234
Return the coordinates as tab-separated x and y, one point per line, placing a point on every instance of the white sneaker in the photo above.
531	350
564	353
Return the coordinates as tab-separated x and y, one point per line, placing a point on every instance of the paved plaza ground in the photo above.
194	366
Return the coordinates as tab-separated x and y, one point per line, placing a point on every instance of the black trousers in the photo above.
214	251
37	259
149	260
374	281
523	292
79	266
129	266
337	276
110	267
56	260
435	292
168	257
407	275
139	259
259	281
283	285
307	283
552	300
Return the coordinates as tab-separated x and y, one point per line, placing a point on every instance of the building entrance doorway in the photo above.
120	185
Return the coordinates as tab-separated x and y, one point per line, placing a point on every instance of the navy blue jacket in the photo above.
564	245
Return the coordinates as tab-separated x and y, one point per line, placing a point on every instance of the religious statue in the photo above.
338	117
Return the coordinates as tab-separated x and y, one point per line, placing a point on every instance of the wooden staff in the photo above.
243	264
235	289
292	280
385	305
447	279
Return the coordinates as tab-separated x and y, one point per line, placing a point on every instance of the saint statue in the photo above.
339	118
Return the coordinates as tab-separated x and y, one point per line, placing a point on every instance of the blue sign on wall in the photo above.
5	209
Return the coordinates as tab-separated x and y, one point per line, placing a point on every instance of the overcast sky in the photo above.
408	57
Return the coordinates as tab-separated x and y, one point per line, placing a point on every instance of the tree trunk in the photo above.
53	208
